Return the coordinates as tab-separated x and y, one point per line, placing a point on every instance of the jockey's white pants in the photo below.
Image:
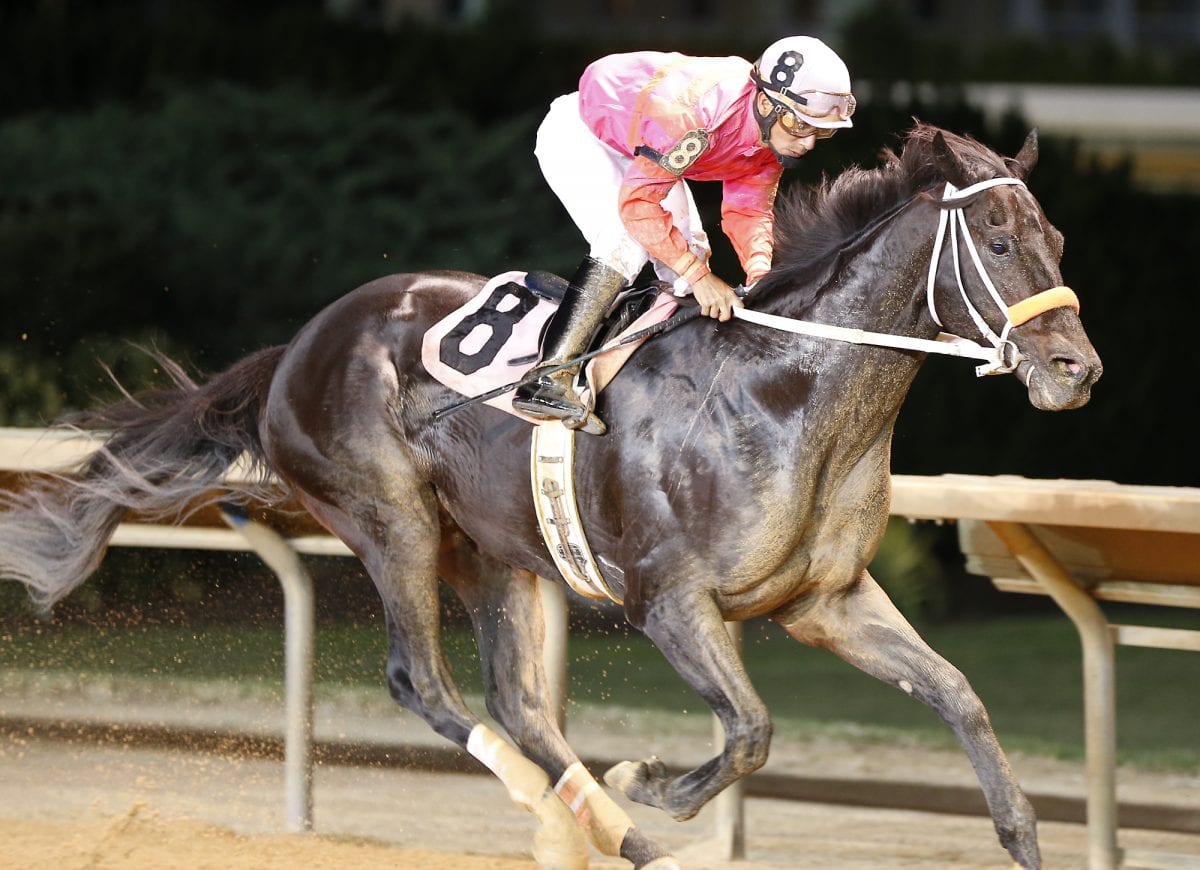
586	173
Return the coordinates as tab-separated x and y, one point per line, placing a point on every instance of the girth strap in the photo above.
552	469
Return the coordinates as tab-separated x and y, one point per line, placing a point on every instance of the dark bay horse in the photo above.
745	474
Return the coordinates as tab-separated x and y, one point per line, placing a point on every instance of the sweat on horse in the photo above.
745	474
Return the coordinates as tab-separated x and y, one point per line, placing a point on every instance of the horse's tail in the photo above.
166	455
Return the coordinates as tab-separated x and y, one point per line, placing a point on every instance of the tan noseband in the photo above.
1056	297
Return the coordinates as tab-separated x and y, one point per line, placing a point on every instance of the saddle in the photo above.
494	338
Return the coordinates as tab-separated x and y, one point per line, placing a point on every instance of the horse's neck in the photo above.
881	289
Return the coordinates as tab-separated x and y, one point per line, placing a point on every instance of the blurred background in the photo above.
208	175
205	175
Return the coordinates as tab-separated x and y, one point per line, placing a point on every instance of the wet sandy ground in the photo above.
72	803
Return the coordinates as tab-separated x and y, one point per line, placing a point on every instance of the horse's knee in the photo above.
950	694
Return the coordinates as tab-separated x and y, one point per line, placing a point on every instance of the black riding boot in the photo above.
586	301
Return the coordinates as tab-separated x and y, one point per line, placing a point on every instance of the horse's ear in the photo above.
947	161
1026	158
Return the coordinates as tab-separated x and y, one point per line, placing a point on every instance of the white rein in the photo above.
1002	357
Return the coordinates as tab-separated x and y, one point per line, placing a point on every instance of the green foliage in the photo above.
906	566
227	217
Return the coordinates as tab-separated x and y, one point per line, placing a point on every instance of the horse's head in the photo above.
995	270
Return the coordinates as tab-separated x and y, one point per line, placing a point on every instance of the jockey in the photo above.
618	151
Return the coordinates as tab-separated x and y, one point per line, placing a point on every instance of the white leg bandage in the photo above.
559	843
524	780
605	822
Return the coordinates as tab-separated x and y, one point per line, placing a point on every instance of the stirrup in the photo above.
547	399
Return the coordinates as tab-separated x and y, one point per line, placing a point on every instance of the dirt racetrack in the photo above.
76	803
85	806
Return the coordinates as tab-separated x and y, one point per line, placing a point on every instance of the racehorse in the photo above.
745	474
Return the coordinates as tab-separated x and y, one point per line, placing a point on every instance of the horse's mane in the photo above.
815	223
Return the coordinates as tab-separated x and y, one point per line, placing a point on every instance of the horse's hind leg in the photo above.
509	627
864	628
390	520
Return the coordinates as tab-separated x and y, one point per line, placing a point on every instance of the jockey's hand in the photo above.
717	299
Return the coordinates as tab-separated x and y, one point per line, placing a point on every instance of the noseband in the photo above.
1007	355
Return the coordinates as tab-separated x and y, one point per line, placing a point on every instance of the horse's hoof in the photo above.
627	775
638	780
621	776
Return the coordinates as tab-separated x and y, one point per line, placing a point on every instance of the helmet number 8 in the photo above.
786	67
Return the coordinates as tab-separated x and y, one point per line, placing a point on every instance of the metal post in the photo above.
731	803
554	650
298	674
1099	686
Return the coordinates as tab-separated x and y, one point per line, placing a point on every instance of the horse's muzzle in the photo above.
1062	381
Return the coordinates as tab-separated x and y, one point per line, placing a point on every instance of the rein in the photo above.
1002	357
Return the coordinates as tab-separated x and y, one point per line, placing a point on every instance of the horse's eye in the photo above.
998	247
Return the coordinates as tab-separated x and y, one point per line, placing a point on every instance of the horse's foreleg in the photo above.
865	628
691	635
510	631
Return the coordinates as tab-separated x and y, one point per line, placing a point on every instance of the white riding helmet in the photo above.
807	82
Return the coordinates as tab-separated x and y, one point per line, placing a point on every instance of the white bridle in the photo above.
1002	357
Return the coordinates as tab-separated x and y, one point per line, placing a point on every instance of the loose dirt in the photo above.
88	804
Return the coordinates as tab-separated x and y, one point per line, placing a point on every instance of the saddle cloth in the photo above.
493	339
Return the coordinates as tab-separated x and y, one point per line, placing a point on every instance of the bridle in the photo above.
1014	315
1002	357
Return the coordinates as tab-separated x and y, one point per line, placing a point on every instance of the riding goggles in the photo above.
817	106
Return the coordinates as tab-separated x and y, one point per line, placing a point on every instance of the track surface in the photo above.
67	804
123	802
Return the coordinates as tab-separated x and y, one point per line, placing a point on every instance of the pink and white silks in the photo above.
631	208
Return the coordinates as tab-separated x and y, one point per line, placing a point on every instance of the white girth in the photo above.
552	467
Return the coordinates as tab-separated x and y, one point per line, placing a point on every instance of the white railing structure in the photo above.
1077	541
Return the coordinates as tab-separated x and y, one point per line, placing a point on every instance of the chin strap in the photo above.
765	122
953	218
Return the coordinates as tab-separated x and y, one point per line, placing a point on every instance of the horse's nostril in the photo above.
1068	368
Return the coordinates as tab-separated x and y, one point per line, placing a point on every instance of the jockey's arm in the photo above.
748	219
645	186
